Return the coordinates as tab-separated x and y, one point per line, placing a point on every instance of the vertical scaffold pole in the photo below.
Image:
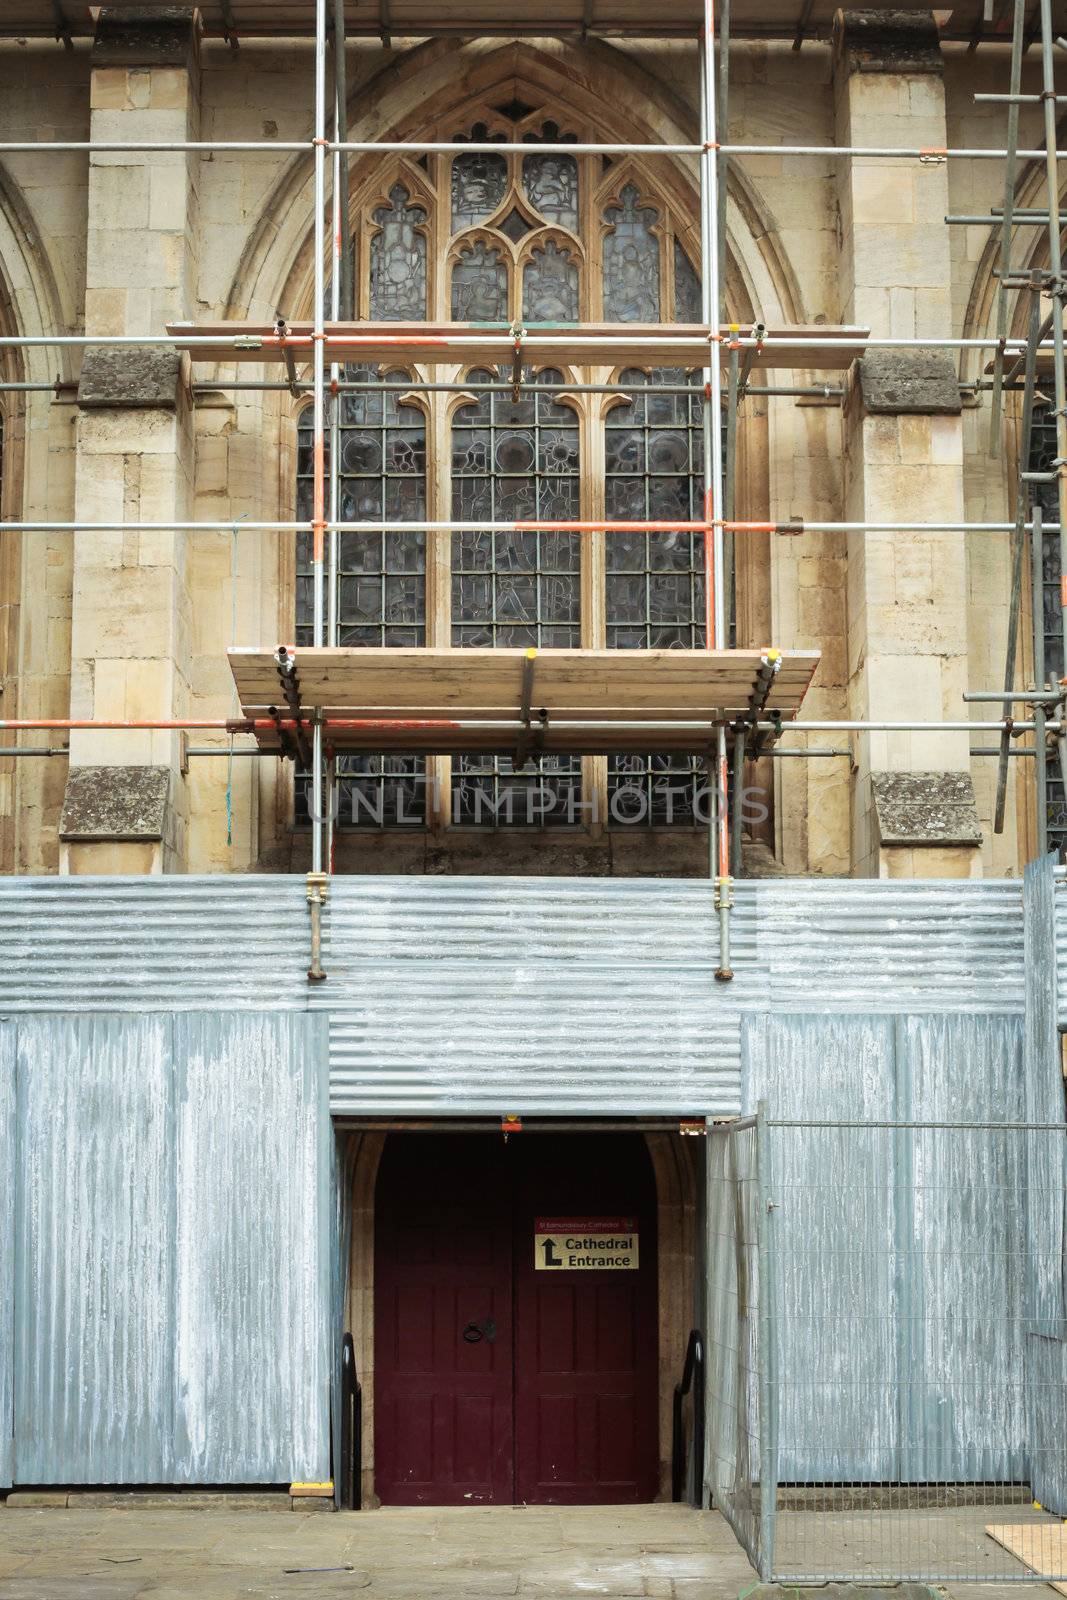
1018	546
318	512
1056	290
339	230
1018	29
715	597
1055	262
1037	610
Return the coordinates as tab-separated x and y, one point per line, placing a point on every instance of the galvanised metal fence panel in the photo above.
962	1229
458	995
958	1501
235	942
1046	1351
868	945
7	1252
735	1355
816	1066
1055	945
252	1315
532	995
171	1227
94	1226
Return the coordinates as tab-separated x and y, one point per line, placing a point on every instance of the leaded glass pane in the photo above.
550	183
631	261
515	462
381	577
687	306
489	791
479	181
398	260
516	587
550	286
515	225
654	582
657	791
654	471
480	286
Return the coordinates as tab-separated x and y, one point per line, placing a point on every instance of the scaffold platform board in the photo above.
789	19
606	344
591	702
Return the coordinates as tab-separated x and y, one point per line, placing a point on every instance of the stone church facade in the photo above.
134	624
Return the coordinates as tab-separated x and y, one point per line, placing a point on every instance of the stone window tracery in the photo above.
511	236
398	259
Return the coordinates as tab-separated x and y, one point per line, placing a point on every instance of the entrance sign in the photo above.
585	1244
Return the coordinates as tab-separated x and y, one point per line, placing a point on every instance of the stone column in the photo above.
913	812
125	809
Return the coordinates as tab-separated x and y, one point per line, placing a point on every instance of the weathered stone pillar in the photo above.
914	811
125	809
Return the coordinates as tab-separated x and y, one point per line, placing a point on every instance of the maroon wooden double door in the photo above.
495	1383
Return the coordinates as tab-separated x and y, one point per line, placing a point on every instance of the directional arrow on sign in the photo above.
551	1258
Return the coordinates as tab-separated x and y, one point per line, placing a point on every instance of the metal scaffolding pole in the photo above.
528	525
318	529
1018	25
714	584
1018	548
1056	287
926	155
1037	609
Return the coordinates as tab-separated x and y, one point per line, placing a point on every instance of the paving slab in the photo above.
426	1553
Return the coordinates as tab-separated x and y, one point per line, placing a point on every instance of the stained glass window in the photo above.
687	306
654	587
550	181
518	461
479	183
631	261
398	260
479	286
654	471
550	286
511	462
381	579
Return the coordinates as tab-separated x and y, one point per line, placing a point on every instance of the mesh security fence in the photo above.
888	1334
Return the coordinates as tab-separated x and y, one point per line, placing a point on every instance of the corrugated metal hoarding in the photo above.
171	1249
899	1250
461	995
540	994
7	1251
1047	1307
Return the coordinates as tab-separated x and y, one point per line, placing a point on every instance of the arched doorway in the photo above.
515	1320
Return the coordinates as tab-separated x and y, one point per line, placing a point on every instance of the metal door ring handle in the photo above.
472	1333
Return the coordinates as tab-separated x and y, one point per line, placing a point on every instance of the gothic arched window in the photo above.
522	236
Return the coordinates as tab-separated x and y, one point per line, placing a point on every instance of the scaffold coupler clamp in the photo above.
724	899
318	886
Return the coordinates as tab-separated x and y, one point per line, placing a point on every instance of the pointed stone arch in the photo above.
438	82
32	304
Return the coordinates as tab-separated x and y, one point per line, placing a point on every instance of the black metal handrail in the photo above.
692	1373
351	1470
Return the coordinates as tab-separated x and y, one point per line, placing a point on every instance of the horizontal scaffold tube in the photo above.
922	153
340	724
505	340
422	525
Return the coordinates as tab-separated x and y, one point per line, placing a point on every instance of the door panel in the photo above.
443	1402
554	1404
586	1341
